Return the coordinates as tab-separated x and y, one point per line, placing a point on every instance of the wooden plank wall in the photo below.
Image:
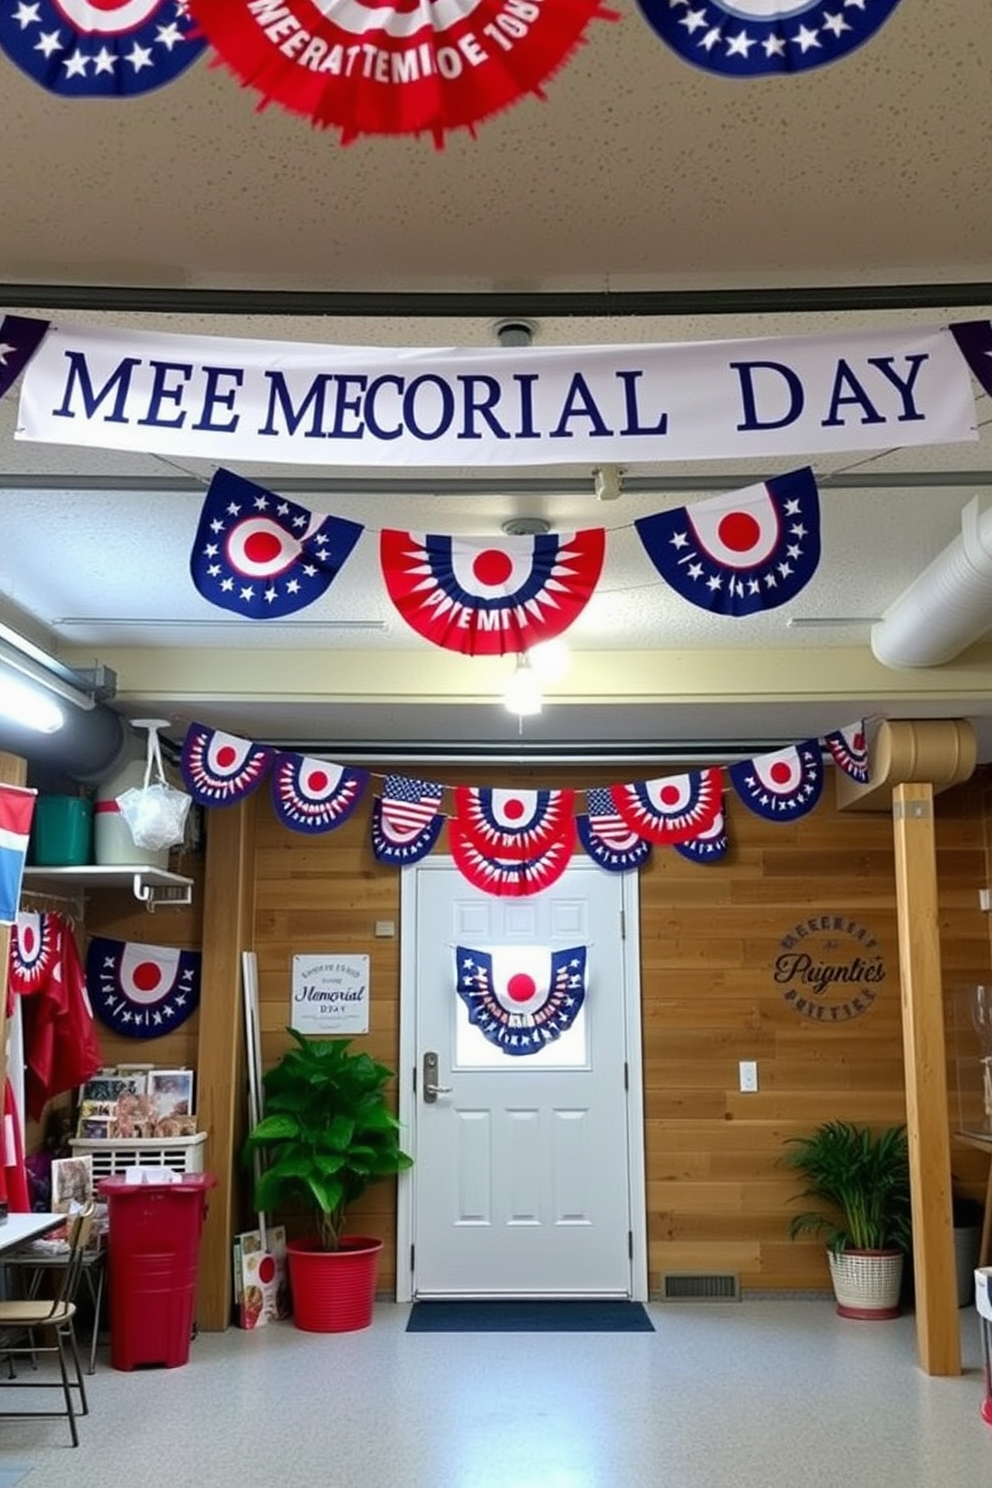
717	1196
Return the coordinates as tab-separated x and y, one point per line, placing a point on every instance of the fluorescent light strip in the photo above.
40	678
25	705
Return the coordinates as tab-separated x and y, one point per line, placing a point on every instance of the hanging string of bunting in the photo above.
521	998
100	48
367	67
514	843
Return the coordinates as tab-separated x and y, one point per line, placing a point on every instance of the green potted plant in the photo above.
862	1179
326	1134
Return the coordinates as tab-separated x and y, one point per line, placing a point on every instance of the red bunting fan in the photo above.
395	66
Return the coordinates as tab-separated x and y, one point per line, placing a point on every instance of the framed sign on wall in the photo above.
330	994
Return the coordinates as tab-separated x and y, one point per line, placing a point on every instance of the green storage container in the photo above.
62	832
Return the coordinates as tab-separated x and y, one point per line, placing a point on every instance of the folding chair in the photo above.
25	1323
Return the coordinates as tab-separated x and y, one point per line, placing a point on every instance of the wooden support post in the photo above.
938	1332
228	899
13	771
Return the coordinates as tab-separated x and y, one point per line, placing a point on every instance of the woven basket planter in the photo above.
867	1282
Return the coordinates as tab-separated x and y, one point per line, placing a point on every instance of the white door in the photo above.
528	1168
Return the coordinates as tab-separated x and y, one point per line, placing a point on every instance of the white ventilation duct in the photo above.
947	607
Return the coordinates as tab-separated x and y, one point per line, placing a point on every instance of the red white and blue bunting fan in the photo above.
262	556
509	878
406	820
20	338
606	837
489	597
849	749
672	808
749	38
522	998
220	769
515	824
743	551
404	67
311	795
35	951
99	48
142	991
710	846
781	786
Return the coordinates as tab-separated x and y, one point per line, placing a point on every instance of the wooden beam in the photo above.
228	900
13	771
938	1332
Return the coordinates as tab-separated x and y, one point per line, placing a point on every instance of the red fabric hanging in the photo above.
61	1048
13	1178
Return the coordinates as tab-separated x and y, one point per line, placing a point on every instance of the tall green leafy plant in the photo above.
863	1179
327	1132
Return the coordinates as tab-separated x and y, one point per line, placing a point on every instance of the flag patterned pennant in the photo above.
311	795
19	340
606	837
16	811
515	824
142	991
489	597
781	786
35	948
849	748
749	38
262	556
709	846
671	809
406	820
522	998
509	878
220	769
100	48
741	552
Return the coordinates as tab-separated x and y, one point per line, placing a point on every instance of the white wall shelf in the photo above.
151	886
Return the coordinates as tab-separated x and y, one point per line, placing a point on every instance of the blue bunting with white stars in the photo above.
521	998
783	785
743	551
262	556
749	38
113	49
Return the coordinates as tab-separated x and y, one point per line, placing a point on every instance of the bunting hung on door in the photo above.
406	820
100	48
783	785
262	556
751	38
142	991
312	795
489	597
743	551
219	768
521	998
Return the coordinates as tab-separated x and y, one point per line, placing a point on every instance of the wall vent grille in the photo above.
700	1287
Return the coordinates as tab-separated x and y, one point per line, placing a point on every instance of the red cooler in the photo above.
153	1239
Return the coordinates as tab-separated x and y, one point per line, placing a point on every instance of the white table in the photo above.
17	1228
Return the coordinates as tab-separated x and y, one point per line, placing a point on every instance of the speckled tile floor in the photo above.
758	1394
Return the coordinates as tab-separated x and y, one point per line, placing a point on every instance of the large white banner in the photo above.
227	400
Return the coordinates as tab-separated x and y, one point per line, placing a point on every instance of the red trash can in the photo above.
153	1246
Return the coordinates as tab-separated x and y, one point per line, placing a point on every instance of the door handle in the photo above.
431	1088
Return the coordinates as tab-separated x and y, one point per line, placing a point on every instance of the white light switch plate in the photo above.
749	1075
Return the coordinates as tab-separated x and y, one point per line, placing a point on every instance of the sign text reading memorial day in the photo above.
299	403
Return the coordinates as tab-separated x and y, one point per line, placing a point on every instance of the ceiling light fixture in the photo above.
515	333
84	689
28	706
522	694
550	659
525	527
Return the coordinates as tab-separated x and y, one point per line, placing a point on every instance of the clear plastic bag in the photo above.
155	813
